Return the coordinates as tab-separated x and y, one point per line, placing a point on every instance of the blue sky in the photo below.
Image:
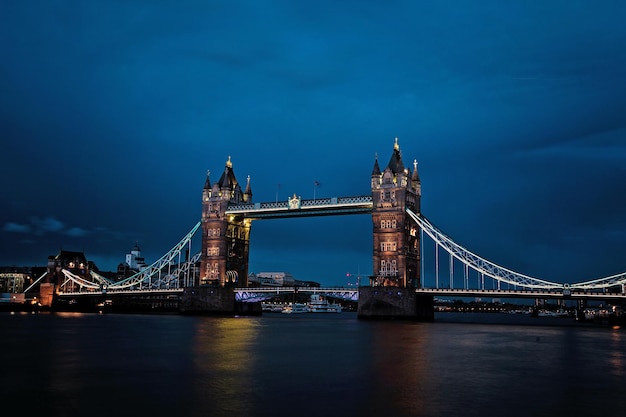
111	112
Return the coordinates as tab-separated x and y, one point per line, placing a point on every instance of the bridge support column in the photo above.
208	300
215	300
394	303
46	294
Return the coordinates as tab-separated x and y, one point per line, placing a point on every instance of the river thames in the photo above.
71	364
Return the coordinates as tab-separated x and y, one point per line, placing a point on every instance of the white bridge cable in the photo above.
144	275
502	274
36	282
79	280
477	263
99	278
172	279
601	283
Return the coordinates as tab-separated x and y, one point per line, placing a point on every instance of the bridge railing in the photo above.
309	203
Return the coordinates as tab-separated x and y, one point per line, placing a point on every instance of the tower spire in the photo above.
207	183
247	195
415	176
376	169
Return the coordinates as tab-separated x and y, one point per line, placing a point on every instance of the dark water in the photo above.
307	365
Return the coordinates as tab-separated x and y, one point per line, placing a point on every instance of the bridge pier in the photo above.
384	303
214	300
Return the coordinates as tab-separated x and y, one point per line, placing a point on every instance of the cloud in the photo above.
76	232
49	224
16	227
41	226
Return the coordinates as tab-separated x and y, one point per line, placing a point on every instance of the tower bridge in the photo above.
399	231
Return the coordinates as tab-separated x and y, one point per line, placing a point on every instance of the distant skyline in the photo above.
111	113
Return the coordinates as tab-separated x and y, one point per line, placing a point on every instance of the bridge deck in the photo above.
352	294
304	208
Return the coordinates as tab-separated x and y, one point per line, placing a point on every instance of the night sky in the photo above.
111	113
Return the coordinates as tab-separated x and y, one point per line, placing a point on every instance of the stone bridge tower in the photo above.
396	254
225	238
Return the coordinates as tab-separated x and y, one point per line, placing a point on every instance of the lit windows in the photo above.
388	246
213	232
213	251
388	224
388	268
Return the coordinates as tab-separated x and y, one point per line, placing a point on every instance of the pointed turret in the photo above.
377	177
247	195
395	163
228	180
207	183
376	170
415	177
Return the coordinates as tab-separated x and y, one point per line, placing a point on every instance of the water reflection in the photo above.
400	354
117	365
616	354
223	364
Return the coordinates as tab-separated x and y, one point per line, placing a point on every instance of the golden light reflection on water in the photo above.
67	314
223	360
402	372
616	354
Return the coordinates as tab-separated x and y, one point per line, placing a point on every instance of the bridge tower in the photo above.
396	254
225	239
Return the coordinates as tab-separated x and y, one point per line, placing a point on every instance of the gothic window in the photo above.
213	251
388	224
388	246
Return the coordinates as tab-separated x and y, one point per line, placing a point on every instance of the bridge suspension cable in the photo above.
163	273
144	277
499	273
478	263
601	283
30	287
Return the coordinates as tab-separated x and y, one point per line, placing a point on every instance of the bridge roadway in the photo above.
250	295
260	294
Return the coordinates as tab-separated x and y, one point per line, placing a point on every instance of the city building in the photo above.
277	279
72	261
134	259
134	263
14	279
